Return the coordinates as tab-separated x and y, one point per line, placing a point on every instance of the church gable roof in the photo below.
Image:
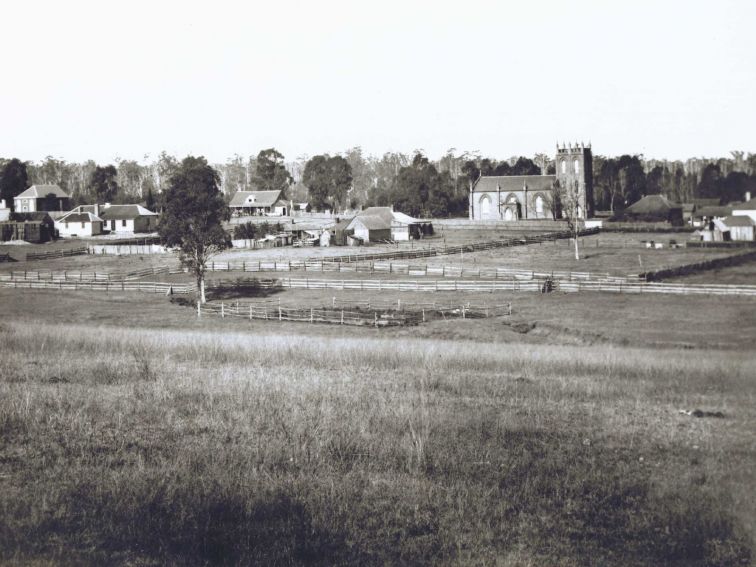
510	183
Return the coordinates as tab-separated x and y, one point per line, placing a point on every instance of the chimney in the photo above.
97	209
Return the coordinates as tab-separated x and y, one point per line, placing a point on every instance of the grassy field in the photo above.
134	433
180	447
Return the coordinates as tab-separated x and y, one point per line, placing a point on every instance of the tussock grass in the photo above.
167	447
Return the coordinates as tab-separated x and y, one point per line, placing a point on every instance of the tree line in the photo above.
413	183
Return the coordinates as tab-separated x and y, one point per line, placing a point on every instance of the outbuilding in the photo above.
77	224
741	228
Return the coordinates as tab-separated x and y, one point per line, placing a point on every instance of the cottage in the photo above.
76	223
741	228
655	208
125	219
258	203
42	198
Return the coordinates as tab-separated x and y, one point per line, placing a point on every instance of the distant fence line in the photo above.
78	276
408	269
714	263
488	286
359	314
149	287
450	250
126	249
56	253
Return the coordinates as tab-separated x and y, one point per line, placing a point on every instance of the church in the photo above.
526	197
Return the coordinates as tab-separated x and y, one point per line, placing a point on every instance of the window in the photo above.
539	205
564	166
66	225
577	166
83	225
123	222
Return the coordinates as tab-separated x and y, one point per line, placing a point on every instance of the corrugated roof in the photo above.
739	220
42	191
124	212
254	198
713	211
510	183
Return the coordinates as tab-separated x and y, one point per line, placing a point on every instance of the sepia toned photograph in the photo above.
339	283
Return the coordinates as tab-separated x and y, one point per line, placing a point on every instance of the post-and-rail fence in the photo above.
375	314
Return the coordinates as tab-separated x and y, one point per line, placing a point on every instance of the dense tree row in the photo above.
414	184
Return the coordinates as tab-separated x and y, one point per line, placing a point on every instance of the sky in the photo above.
111	79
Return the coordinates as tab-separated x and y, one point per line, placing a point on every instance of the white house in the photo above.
79	224
258	203
128	219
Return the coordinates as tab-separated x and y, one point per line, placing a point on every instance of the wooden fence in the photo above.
410	269
148	287
450	250
127	249
56	254
487	286
359	314
78	276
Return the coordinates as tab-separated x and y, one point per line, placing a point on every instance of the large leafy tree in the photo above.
271	173
103	183
328	180
14	179
420	190
193	216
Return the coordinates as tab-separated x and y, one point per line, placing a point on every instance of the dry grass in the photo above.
153	447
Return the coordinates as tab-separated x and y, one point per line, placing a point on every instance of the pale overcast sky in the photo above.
103	79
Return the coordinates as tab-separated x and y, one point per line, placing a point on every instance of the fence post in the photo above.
463	311
311	315
342	316
199	310
398	304
250	311
333	302
423	314
375	318
223	313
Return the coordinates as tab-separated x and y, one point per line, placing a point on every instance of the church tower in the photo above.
574	165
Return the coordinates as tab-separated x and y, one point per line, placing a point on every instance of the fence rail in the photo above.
487	286
148	287
78	276
56	254
450	250
355	313
409	269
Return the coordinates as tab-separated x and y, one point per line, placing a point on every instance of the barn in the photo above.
376	224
